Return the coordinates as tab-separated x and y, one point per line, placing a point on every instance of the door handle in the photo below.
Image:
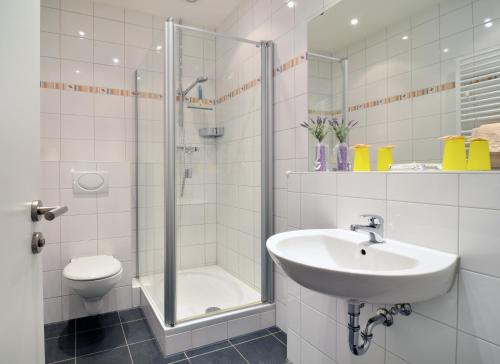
49	212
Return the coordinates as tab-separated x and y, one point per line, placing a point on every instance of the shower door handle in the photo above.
49	212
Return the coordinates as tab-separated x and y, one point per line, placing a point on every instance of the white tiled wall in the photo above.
452	212
93	45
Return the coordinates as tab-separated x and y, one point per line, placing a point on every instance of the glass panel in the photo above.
218	174
150	178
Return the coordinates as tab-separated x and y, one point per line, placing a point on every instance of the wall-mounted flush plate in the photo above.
90	181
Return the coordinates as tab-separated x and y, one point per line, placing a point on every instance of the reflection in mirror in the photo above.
409	73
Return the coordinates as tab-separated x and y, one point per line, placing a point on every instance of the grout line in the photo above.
125	337
245	359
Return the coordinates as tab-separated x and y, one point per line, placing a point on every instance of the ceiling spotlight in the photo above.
354	21
404	37
81	33
77	72
116	60
446	50
158	47
488	23
290	3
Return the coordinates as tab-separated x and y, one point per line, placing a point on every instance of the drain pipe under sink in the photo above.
383	316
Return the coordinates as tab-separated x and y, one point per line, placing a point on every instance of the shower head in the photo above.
200	79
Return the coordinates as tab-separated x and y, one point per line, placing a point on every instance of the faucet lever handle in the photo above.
375	220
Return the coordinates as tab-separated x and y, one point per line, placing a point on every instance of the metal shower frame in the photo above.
267	165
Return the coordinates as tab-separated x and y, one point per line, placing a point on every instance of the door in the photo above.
21	307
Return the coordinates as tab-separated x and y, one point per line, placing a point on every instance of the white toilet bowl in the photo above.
92	278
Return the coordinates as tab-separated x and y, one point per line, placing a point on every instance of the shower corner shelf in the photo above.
200	106
211	132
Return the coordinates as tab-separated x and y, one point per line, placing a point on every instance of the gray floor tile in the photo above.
266	350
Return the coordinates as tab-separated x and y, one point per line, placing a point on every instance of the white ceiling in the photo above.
207	14
332	30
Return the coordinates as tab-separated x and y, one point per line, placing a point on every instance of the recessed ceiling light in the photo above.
404	37
354	21
488	23
446	50
81	33
77	72
116	60
158	47
290	3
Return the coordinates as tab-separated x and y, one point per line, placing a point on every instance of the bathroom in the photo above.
186	185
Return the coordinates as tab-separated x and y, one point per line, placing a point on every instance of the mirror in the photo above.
407	72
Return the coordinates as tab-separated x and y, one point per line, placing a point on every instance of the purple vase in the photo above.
320	161
342	157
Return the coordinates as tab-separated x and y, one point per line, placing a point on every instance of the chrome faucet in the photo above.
375	228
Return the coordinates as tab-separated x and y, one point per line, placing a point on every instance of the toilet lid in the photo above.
92	268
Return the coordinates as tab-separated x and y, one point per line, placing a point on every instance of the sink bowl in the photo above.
344	264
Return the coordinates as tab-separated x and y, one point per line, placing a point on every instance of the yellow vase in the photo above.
361	158
454	156
384	158
479	155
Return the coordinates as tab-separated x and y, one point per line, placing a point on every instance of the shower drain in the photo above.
212	309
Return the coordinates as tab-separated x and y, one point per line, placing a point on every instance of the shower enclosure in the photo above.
204	174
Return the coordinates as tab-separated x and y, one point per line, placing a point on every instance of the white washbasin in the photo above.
342	263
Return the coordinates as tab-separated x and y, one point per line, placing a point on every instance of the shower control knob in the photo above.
37	242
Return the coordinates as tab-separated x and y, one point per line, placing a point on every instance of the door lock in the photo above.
37	242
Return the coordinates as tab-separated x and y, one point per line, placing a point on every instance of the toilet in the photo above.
92	278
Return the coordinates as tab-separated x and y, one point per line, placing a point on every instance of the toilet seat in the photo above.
92	268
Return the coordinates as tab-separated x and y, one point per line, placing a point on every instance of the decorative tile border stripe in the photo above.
390	99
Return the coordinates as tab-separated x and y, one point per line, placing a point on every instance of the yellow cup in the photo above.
361	158
479	155
454	156
384	159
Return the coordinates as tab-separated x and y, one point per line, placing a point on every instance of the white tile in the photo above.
109	53
359	184
243	325
109	12
114	225
77	127
177	343
72	307
443	308
485	38
76	72
425	55
113	151
49	20
425	33
50	125
138	36
309	354
456	21
209	334
393	359
52	308
480	190
319	330
50	69
322	303
76	103
52	284
474	350
120	248
49	45
425	15
317	211
49	149
109	105
109	31
49	175
293	209
77	6
293	347
77	149
319	183
431	226
78	204
485	9
79	49
78	228
479	231
138	18
76	25
477	290
51	257
433	188
409	338
281	22
109	129
457	45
